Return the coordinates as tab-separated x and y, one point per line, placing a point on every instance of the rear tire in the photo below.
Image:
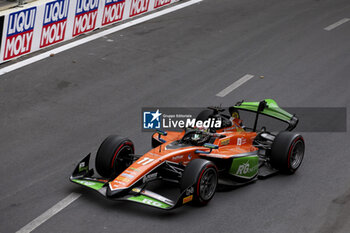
287	152
202	174
113	156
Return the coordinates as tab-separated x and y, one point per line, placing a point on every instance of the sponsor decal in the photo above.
245	167
113	11
82	167
130	172
127	175
134	169
189	191
123	179
189	156
87	183
144	161
241	141
149	201
150	177
90	184
159	3
117	182
224	142
19	33
54	23
177	157
136	190
85	16
187	199
138	7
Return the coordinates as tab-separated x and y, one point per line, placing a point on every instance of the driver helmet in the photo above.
198	136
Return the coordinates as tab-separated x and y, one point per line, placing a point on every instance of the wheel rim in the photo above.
297	154
208	184
122	160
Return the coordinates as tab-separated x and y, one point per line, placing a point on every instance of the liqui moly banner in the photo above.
45	23
54	22
138	7
19	34
113	11
85	16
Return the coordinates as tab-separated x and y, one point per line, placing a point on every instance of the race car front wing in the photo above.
83	175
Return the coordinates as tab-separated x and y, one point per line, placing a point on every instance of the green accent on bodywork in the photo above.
89	183
245	167
272	109
210	146
149	201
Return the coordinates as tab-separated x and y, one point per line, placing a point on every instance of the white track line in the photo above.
235	85
336	24
96	36
49	213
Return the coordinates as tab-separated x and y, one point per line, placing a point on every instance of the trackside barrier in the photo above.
41	24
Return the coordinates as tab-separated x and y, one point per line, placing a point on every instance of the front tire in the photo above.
287	152
113	156
202	174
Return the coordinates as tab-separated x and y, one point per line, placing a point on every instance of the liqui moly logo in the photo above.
138	7
55	22
113	11
159	3
19	33
85	16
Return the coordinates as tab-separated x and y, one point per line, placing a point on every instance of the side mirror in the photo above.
211	146
160	132
207	145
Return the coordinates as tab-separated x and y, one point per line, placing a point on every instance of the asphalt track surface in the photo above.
57	110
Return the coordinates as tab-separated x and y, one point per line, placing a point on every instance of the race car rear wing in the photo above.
270	108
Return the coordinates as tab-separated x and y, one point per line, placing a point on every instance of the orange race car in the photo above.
196	159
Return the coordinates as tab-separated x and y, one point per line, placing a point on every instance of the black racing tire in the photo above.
113	156
202	174
287	152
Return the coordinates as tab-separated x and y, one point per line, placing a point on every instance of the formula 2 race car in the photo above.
196	160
